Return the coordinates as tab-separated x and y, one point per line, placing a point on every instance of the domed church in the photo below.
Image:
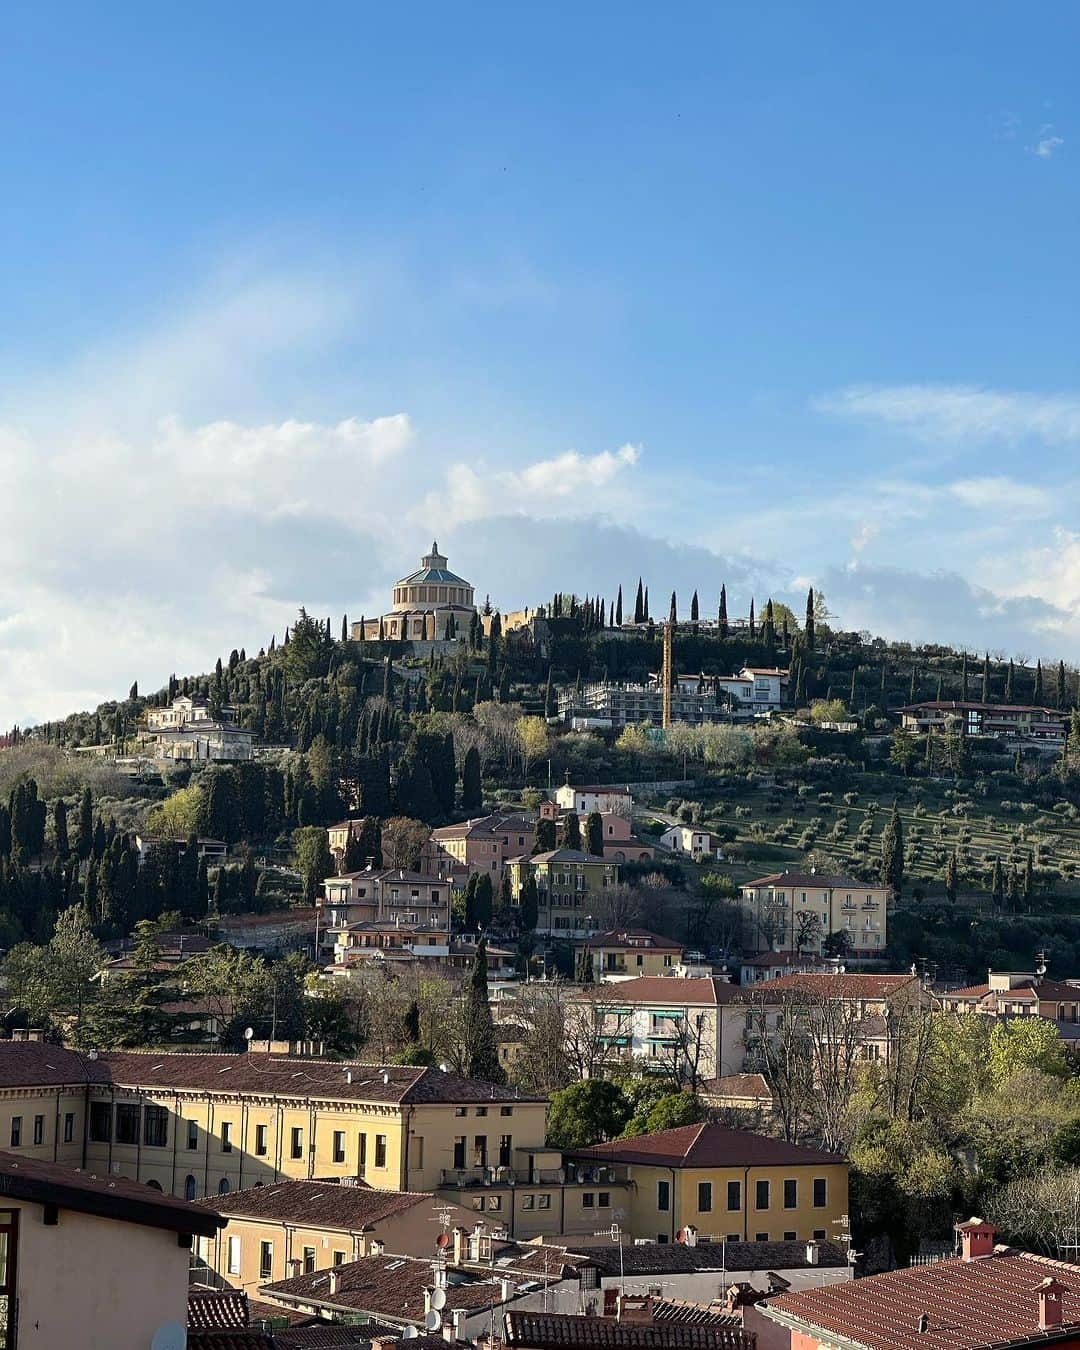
429	605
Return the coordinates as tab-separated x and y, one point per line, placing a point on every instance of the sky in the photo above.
767	295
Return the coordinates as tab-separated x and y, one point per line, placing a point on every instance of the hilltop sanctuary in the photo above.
429	605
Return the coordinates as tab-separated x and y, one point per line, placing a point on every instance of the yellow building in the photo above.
731	1185
298	1227
774	909
569	885
624	953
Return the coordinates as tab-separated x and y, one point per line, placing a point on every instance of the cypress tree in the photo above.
892	852
1062	692
753	631
1037	693
721	618
997	883
672	615
694	616
645	607
472	798
549	697
618	609
529	902
1010	675
808	630
571	830
986	678
853	692
963	677
768	631
60	829
1029	880
952	878
344	628
480	1044
639	604
545	835
594	834
912	688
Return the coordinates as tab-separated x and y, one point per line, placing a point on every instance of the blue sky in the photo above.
760	294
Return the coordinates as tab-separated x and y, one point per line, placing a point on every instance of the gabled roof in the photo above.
634	939
106	1197
37	1064
667	990
829	984
486	826
387	1286
600	787
392	874
566	855
567	1331
970	1305
706	1145
319	1204
676	1258
834	881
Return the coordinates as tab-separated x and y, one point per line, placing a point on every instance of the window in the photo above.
296	1148
543	1202
480	1150
791	1194
234	1251
761	1199
506	1144
155	1126
790	1236
339	1258
128	1118
734	1195
661	1237
588	1199
39	1129
362	1139
509	1110
16	1131
191	1190
339	1146
226	1137
100	1122
494	1202
734	1237
478	1202
704	1197
663	1194
380	1150
761	1237
266	1260
69	1127
192	1134
819	1234
481	1110
459	1151
528	1201
821	1189
461	1111
260	1140
309	1260
603	1200
223	1187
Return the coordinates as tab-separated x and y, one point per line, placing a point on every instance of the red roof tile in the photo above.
971	1305
706	1145
667	989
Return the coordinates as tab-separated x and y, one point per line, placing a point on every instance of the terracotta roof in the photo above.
1057	990
553	1331
325	1337
633	939
566	855
107	1197
706	1145
827	984
667	989
36	1064
385	874
486	825
303	1078
216	1308
675	1258
699	1314
970	1304
320	1204
828	880
739	1085
387	1286
232	1338
954	705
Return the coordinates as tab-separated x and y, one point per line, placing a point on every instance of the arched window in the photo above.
223	1186
191	1189
154	1185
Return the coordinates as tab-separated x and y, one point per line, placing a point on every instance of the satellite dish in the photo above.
443	1240
433	1321
438	1299
169	1336
409	1334
248	1033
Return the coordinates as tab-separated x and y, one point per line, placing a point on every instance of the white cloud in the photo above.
1001	494
1047	144
961	412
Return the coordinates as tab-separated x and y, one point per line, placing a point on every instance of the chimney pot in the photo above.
334	1280
1048	1299
976	1239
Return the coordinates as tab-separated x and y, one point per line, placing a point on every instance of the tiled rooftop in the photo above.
706	1145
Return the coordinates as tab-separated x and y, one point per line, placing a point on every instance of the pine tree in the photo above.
892	852
721	617
481	1047
808	629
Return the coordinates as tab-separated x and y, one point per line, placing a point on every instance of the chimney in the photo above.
691	1235
334	1280
461	1245
1048	1299
922	1326
976	1239
506	1290
635	1308
376	1248
813	1254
